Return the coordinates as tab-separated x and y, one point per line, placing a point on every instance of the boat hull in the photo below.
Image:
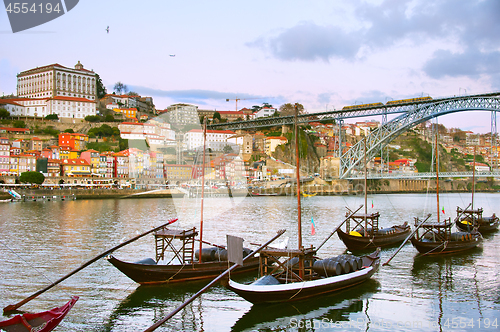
258	294
436	248
485	226
41	322
159	274
357	243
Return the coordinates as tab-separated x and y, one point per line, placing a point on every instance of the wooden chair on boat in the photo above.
164	242
368	228
287	265
434	231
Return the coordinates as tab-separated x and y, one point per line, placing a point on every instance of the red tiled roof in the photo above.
71	99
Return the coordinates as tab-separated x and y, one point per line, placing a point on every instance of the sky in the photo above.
322	54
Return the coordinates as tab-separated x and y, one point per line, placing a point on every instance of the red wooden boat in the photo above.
39	322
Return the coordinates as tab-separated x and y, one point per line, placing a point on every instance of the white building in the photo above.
182	114
56	80
264	111
216	139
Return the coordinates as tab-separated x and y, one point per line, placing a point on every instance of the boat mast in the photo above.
298	178
437	175
202	185
366	196
473	177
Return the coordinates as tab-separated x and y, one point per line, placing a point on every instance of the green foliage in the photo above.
123	144
109	118
92	118
227	149
100	88
51	131
69	130
4	114
32	177
99	146
52	117
19	124
216	116
104	131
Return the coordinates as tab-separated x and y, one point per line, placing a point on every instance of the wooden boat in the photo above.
182	266
188	268
255	193
308	194
437	238
433	238
40	322
362	231
319	279
356	238
467	219
292	275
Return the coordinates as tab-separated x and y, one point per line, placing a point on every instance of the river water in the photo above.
42	241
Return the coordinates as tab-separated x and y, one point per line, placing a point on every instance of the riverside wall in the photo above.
335	187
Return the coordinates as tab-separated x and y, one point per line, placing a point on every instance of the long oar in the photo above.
13	307
338	227
213	282
406	240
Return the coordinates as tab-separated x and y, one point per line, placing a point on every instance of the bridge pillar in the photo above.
284	129
340	123
494	148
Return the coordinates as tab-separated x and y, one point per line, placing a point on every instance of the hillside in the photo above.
414	147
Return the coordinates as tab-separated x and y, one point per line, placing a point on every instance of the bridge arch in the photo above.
379	138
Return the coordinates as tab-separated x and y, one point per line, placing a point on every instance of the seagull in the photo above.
107	29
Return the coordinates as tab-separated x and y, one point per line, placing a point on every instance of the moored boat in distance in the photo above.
362	232
467	219
437	238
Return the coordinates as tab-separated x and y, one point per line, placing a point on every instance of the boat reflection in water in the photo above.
329	311
148	304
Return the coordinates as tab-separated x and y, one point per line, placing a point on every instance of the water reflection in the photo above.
148	304
314	314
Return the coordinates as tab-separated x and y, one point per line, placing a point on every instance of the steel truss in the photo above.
351	161
425	175
336	115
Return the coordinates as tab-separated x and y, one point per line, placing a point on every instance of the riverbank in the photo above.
334	188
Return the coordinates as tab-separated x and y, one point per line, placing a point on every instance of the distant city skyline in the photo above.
322	54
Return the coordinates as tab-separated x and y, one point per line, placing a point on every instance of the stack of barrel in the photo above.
335	266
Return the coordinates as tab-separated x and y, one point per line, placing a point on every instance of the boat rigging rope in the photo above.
445	243
33	267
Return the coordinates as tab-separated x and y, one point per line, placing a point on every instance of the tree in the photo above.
119	87
4	114
109	118
100	88
289	109
132	93
32	177
52	117
227	149
92	118
19	124
216	116
69	130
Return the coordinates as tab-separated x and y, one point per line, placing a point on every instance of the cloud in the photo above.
468	24
192	95
471	63
309	42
